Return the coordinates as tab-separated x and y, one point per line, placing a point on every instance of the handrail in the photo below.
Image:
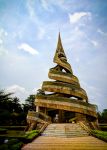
43	127
84	127
38	115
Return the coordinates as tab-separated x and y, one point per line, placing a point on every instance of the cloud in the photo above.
34	91
18	91
92	91
30	8
45	4
95	43
101	32
3	51
3	35
74	18
15	88
28	48
1	41
41	33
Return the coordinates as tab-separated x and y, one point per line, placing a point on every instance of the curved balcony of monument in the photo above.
68	104
63	76
65	88
65	65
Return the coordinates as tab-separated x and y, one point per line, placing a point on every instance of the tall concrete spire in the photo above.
60	57
59	50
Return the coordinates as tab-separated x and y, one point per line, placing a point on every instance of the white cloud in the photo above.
3	34
16	88
3	51
28	48
41	33
30	8
1	41
95	43
34	91
45	4
101	32
18	91
74	18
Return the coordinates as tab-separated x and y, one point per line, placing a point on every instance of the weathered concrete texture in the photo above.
64	87
58	143
62	76
59	87
66	106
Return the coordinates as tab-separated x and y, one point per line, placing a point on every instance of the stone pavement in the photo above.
60	143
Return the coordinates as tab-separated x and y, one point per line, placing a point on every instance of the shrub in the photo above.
103	128
30	135
12	144
3	131
16	146
100	134
12	141
13	127
4	147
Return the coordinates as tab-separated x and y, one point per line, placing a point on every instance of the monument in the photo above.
62	100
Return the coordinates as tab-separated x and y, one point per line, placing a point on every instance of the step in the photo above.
60	143
64	130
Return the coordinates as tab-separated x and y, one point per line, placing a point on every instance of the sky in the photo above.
28	38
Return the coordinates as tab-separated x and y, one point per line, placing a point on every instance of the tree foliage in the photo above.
102	117
30	102
11	111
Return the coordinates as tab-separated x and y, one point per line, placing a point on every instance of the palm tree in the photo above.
5	100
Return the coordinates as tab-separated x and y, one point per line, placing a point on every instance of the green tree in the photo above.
11	111
16	105
29	102
104	116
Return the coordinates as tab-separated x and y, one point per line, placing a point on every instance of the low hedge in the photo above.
17	142
3	131
30	135
13	127
100	134
103	128
12	144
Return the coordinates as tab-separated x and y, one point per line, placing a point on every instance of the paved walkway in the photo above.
59	143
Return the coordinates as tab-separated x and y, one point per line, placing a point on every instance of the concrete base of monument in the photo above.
65	110
39	121
64	103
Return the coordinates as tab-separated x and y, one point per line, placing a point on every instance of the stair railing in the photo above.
43	127
84	127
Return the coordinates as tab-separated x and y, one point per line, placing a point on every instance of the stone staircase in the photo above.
55	137
59	143
64	130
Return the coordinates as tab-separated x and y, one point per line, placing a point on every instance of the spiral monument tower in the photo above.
63	96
